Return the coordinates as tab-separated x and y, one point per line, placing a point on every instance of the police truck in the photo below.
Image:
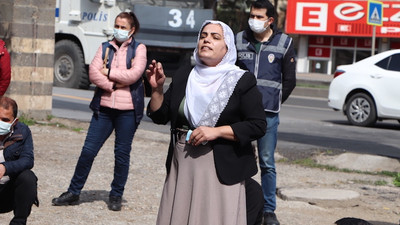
168	29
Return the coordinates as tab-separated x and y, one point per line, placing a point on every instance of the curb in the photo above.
312	80
311	92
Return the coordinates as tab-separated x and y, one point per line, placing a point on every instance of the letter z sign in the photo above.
375	13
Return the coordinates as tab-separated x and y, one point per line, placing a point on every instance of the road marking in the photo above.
308	97
308	107
73	97
78	98
284	105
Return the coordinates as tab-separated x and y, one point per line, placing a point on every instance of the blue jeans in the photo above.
266	150
101	127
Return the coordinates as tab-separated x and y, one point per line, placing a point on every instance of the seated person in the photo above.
18	184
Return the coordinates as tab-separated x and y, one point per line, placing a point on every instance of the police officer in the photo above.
269	54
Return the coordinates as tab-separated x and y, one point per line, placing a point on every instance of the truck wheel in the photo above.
69	66
361	110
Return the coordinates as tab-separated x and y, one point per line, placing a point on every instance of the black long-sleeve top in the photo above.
234	160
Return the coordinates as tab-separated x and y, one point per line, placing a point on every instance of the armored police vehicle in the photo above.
167	28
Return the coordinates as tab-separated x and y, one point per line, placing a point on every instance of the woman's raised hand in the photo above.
155	74
156	77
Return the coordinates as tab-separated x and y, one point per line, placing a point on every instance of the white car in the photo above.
368	90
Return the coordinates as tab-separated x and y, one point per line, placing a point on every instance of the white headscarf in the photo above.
204	80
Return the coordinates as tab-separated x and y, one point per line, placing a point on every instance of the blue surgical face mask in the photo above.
5	127
121	35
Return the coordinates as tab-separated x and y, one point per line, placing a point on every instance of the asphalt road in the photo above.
307	126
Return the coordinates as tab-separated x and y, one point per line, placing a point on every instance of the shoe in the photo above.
66	198
269	218
114	203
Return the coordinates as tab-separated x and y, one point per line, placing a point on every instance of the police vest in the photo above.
266	66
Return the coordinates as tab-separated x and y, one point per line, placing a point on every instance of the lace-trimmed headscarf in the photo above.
204	81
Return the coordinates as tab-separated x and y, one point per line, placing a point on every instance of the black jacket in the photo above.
234	161
18	150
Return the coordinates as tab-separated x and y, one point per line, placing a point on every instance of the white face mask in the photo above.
257	26
121	35
5	128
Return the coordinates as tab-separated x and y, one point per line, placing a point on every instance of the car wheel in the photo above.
361	110
69	66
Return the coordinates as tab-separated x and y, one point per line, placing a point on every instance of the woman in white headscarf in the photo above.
215	112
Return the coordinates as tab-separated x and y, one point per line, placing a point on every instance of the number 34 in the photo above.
177	18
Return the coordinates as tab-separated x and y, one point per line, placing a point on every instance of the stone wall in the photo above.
27	26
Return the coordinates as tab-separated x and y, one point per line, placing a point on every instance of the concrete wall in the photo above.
27	26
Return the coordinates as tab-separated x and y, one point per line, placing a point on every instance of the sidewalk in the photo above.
312	85
57	150
314	77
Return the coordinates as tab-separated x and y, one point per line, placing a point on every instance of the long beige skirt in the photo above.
193	195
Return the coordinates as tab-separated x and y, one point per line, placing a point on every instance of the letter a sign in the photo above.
375	13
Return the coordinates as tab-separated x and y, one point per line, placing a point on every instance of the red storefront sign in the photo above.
395	45
320	52
319	40
340	18
344	42
365	43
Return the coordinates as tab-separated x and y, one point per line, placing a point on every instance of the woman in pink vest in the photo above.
118	106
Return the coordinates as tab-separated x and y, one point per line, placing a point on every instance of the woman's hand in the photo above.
119	85
104	71
202	134
155	75
2	170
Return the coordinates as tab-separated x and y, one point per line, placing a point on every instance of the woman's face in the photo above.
211	46
123	24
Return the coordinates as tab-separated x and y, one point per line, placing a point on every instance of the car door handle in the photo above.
375	76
